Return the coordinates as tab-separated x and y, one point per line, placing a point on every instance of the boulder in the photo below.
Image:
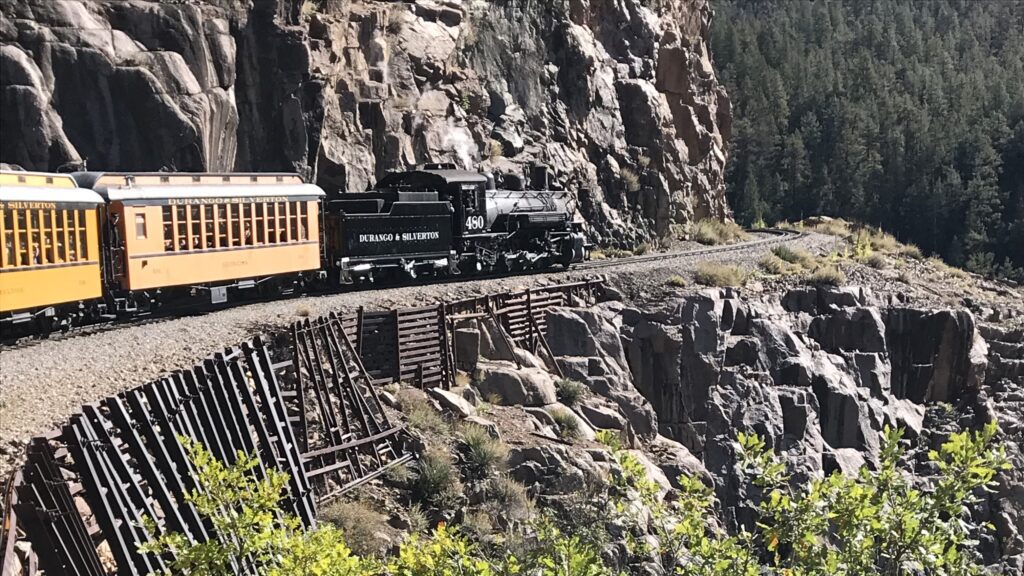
524	387
603	417
452	402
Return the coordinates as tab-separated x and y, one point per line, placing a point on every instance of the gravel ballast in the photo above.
44	383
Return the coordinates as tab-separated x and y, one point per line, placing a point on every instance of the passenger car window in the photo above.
140	226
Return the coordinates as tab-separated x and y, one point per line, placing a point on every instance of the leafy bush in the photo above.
438	480
244	512
483	454
717	274
826	275
609	438
713	232
570	392
676	281
568	425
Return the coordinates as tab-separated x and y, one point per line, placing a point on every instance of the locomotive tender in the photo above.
86	246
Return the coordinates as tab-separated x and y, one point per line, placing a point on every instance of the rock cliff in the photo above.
619	98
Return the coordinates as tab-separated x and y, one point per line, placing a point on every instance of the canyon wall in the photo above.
618	97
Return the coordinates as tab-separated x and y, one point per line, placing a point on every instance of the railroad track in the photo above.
776	236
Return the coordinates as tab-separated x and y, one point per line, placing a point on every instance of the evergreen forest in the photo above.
908	115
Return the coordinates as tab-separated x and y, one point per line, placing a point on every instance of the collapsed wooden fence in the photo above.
304	402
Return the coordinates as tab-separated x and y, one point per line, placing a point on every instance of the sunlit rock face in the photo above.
619	98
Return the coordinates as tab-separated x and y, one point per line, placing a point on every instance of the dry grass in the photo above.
364	528
303	311
719	274
481	453
826	275
943	268
617	253
438	480
568	426
570	392
510	498
630	179
676	281
772	264
642	249
876	261
911	251
800	258
422	415
496	149
713	232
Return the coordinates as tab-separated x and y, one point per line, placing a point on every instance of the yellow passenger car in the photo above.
206	230
50	251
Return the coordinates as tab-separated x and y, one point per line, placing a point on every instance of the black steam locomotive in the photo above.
440	220
89	246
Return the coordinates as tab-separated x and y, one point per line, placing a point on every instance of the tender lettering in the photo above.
403	237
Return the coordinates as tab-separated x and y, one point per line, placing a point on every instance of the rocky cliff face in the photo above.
816	372
618	97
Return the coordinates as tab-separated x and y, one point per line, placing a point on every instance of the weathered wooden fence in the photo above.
303	401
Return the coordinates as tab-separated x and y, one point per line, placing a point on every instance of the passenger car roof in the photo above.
18	186
159	185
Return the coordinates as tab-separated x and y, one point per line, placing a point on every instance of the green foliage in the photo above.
718	274
570	392
446	554
243	511
877	522
908	115
609	438
482	454
568	425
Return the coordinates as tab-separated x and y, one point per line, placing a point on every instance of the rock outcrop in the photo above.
618	98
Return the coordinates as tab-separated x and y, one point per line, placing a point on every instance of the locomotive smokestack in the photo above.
490	180
539	177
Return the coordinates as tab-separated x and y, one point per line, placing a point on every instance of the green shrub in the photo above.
609	438
437	481
570	392
568	425
483	454
676	281
718	274
826	276
713	232
243	510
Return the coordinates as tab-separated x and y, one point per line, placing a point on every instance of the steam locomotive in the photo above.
89	246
